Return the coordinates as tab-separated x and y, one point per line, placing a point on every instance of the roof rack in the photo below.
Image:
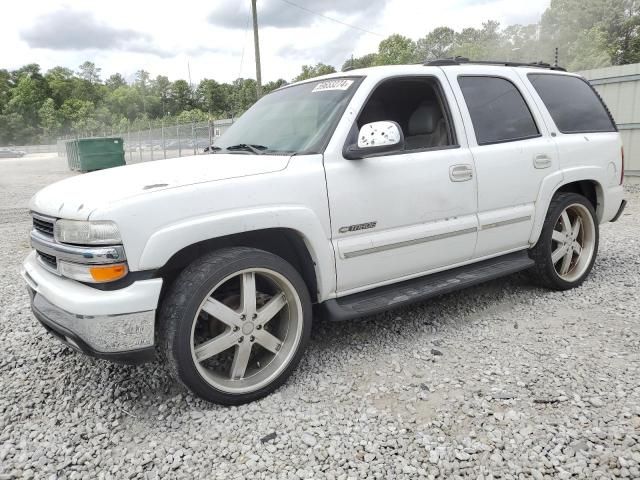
441	62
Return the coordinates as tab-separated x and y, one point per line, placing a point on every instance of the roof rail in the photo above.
441	62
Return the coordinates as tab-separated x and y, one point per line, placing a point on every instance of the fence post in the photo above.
150	140
193	137
129	141
164	146
178	135
210	132
140	144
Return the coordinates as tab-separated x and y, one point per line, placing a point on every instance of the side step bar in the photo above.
423	288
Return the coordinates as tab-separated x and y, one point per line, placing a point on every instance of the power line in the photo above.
288	2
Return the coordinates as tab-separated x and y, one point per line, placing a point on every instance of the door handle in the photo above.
460	173
542	160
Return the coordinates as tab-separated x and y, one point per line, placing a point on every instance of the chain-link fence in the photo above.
164	141
28	149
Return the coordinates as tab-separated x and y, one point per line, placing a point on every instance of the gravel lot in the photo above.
504	380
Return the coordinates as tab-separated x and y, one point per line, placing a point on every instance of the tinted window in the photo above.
497	109
572	103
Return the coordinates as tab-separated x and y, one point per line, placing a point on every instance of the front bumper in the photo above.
117	325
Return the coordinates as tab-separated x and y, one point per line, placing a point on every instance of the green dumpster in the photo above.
89	154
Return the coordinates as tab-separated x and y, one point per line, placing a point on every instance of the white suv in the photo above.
355	192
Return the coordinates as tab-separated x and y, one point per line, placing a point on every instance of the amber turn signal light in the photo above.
108	273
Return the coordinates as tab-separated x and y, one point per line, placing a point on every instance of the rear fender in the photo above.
554	182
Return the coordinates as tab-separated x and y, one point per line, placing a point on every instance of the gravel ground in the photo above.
504	380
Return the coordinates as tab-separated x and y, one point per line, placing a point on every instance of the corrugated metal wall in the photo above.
620	89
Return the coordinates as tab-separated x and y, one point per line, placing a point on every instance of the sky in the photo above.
214	39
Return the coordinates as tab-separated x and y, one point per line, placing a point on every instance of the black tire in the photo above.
183	300
544	272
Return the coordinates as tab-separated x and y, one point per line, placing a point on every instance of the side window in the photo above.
572	103
417	105
497	109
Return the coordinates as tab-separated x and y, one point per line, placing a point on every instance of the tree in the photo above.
396	50
79	114
273	85
115	81
438	43
89	72
180	96
125	102
161	88
49	119
479	44
61	84
5	88
26	99
311	71
589	51
243	95
368	60
14	129
142	79
30	70
623	34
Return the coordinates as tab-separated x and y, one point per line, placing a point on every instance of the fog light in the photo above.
93	273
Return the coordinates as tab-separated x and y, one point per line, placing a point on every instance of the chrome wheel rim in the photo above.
246	330
573	242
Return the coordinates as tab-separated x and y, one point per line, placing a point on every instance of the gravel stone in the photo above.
534	384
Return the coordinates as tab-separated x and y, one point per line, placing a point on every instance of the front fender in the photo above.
164	243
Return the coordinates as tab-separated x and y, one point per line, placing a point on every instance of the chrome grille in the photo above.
47	259
43	226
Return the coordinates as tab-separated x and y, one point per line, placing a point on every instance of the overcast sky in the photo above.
215	36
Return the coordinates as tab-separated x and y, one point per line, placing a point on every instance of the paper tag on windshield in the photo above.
333	85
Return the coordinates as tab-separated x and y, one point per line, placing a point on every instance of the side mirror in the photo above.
376	138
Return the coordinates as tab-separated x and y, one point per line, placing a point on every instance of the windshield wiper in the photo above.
257	149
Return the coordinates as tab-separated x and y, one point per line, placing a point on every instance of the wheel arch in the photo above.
585	183
588	188
283	242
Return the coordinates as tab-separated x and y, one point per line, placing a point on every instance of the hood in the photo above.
76	197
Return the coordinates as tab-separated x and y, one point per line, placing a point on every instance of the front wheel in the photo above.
568	244
234	324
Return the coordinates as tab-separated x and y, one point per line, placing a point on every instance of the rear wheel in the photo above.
234	324
568	244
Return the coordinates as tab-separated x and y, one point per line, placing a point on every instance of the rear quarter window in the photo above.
573	104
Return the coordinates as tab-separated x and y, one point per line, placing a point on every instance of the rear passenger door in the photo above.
512	150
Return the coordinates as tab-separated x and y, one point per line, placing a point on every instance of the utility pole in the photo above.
256	44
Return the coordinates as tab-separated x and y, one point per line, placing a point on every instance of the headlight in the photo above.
86	233
92	273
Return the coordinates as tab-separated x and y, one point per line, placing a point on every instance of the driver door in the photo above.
401	215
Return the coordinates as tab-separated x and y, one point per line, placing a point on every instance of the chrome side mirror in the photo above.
376	138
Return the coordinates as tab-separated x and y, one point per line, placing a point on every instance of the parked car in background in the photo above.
358	192
11	153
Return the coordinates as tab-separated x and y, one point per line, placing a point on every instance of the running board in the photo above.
419	289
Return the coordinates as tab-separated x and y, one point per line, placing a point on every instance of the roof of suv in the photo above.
484	67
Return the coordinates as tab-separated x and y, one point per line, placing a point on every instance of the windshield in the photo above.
293	119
